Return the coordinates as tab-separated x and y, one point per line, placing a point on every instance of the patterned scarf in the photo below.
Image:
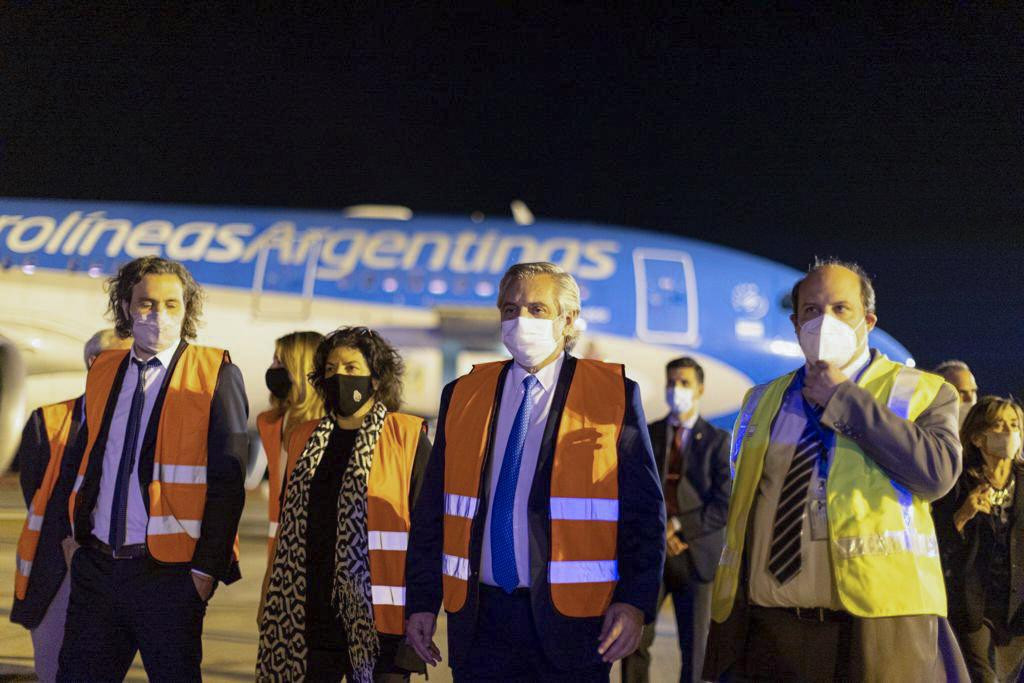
282	651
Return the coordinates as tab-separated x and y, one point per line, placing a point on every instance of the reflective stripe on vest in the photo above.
177	491
57	420
882	541
388	516
584	504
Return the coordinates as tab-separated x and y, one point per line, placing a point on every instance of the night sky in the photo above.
895	141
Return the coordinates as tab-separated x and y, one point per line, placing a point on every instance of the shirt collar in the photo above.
547	375
164	356
673	420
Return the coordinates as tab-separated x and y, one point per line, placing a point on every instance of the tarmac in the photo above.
229	633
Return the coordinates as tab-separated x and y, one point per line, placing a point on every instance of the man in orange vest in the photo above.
41	586
540	524
157	485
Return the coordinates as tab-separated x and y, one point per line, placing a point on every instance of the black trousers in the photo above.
506	646
120	607
692	603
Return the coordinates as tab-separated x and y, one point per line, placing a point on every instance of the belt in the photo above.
136	551
819	614
497	590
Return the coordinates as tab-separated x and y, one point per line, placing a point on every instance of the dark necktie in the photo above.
119	512
784	558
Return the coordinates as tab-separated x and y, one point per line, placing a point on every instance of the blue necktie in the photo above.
119	513
503	550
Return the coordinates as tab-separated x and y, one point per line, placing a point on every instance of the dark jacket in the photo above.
48	567
227	449
569	642
964	557
702	495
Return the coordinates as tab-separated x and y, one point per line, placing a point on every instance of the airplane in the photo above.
427	283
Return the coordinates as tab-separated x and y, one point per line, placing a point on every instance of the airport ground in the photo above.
229	635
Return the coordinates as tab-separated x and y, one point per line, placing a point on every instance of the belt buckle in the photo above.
121	555
811	614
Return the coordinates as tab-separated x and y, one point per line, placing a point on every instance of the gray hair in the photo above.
951	364
567	292
867	289
100	342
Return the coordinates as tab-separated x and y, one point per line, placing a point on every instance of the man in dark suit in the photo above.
693	459
541	522
42	586
156	480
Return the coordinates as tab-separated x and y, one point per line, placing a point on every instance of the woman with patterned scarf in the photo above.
334	597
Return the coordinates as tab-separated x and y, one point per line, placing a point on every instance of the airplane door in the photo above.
295	281
666	296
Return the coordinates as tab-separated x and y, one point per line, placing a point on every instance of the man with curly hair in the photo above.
157	472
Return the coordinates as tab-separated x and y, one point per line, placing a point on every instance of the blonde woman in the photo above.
292	402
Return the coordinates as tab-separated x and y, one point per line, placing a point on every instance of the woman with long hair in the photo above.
980	524
334	598
292	402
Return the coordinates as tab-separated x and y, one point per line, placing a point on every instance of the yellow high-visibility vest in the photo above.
882	545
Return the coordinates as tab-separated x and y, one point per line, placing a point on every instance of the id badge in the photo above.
819	519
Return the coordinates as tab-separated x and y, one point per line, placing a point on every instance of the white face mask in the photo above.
529	340
1002	444
155	332
680	399
829	339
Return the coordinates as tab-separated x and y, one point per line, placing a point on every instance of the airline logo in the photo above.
339	250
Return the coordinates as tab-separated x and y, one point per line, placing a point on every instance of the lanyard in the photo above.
827	436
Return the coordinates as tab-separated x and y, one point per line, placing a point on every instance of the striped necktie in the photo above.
784	557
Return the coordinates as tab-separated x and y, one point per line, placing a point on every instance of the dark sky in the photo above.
895	140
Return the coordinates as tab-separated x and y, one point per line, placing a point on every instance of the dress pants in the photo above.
780	646
692	603
49	634
120	607
506	646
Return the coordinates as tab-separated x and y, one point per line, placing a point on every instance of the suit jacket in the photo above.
924	455
48	567
702	495
569	642
963	555
227	450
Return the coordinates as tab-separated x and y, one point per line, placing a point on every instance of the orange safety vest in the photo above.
177	493
388	516
269	425
57	419
584	506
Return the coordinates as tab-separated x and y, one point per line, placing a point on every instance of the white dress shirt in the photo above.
138	518
813	585
511	396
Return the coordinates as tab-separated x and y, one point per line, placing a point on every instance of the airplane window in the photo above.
786	303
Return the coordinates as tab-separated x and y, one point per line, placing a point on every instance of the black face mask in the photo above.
346	394
279	382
